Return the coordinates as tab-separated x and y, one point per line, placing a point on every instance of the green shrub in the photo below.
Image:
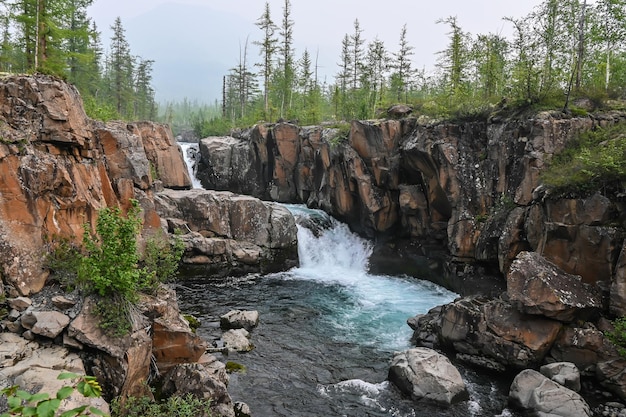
187	406
161	260
23	403
109	265
594	161
618	335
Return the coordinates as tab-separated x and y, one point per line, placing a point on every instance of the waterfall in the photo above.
371	309
191	154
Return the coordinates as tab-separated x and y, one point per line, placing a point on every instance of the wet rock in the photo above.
563	373
237	340
238	319
427	375
534	392
242	410
536	286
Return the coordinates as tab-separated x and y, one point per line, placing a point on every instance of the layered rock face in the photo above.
58	168
469	188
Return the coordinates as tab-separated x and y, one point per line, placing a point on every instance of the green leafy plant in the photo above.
618	335
109	264
187	406
161	259
23	403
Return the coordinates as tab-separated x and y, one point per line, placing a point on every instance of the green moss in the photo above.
194	323
596	160
234	367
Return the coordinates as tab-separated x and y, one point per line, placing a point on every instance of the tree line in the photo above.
560	50
57	37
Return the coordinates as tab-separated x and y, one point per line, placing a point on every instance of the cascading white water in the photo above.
374	308
190	154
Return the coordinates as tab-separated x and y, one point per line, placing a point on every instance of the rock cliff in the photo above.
58	168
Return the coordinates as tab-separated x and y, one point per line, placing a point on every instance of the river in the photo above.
327	331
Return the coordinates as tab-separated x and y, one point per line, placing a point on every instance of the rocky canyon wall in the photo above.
58	168
467	191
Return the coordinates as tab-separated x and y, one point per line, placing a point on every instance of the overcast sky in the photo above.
195	42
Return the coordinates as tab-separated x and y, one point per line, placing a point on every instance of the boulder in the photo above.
45	323
612	375
537	286
122	364
534	392
238	319
195	379
495	330
427	375
230	232
563	373
237	340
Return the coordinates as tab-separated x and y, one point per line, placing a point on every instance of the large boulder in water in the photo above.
427	375
534	392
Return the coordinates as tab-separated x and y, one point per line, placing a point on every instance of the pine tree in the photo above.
120	70
356	43
267	49
287	73
402	66
454	59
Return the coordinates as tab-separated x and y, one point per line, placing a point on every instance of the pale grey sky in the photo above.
195	42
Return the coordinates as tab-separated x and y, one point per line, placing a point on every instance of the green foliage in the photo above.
109	266
595	161
63	259
161	260
23	403
100	110
618	335
340	134
187	406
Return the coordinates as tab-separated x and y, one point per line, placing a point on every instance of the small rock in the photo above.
62	303
14	315
242	410
20	303
239	319
28	335
237	340
49	323
71	342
